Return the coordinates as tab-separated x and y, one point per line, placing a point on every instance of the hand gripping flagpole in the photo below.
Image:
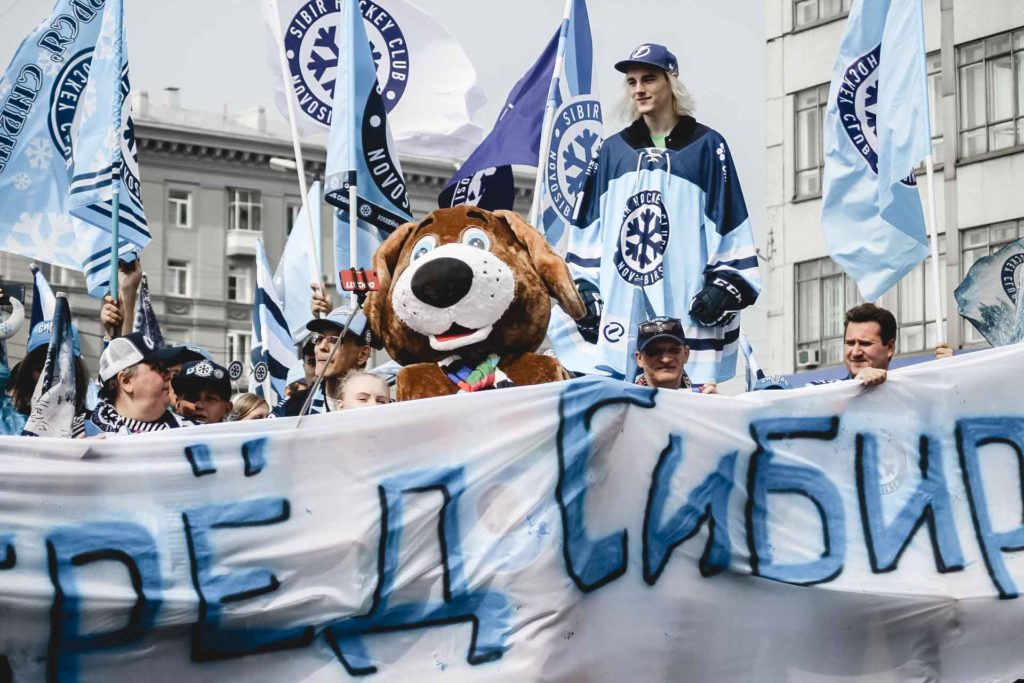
116	159
549	115
289	96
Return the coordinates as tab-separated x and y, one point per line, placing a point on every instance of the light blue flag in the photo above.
991	296
105	151
577	128
877	130
42	95
360	149
295	271
273	353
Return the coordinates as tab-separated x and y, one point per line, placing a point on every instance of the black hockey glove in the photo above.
716	304
589	323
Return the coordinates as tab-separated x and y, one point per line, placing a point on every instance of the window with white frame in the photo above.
245	212
178	278
809	113
824	293
809	12
240	283
991	93
179	208
292	215
239	344
978	243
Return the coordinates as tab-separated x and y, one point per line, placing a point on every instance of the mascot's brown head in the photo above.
466	281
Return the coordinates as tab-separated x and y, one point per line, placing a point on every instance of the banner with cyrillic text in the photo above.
579	531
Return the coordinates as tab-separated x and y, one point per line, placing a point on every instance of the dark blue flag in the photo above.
145	317
485	180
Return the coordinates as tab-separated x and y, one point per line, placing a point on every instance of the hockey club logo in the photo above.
129	150
575	140
260	372
641	51
235	370
68	92
311	46
857	102
365	210
643	238
1008	276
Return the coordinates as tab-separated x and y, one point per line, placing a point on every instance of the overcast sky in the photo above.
214	50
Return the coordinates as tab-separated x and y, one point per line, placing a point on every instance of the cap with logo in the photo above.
772	382
197	374
42	333
129	350
661	327
650	54
335	322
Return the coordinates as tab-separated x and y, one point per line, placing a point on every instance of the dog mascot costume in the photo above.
465	300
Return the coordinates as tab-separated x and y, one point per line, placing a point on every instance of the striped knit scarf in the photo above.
468	379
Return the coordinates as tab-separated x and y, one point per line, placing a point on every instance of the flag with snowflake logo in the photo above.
43	96
427	82
877	130
105	155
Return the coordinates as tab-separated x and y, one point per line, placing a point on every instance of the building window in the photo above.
810	160
292	214
239	345
978	243
808	12
991	80
244	210
240	284
935	99
178	278
824	293
179	208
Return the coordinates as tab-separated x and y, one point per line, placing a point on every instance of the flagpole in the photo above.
116	161
549	115
939	300
353	194
289	96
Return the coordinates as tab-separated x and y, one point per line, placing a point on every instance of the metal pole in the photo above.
939	300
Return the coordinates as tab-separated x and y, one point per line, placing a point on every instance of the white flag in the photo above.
426	80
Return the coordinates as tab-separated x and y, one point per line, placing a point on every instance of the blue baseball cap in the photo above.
43	332
335	322
200	373
650	54
771	382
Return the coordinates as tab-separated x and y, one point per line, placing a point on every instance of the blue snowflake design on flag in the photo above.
575	140
857	100
311	46
643	239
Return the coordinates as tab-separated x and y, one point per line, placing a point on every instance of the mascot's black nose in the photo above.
442	282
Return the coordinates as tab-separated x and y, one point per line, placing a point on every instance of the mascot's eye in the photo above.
423	246
476	238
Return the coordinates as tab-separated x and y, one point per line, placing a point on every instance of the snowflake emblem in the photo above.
51	235
39	152
644	241
22	181
586	142
323	60
49	67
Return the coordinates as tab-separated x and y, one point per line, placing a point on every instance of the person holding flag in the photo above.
664	231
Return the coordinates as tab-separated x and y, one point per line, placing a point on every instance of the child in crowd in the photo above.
363	389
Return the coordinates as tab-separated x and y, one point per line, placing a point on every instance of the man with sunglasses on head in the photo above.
352	354
661	354
134	395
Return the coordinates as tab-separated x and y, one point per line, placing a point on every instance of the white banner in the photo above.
428	85
581	531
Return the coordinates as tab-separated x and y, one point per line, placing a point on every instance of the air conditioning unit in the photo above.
808	358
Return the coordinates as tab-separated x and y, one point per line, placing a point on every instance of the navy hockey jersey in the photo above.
654	226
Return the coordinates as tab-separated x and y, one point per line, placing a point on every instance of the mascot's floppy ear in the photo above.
552	269
385	260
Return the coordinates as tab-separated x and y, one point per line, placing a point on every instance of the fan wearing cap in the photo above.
662	215
203	392
134	394
25	375
352	354
661	355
